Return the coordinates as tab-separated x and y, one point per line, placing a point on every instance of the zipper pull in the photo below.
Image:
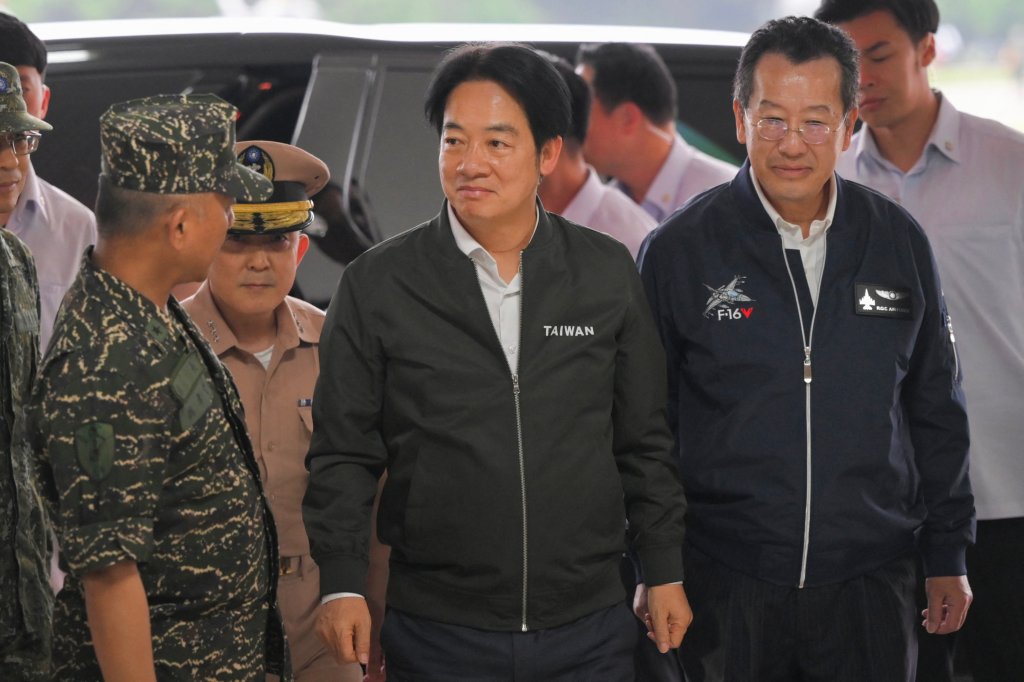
515	384
807	365
949	326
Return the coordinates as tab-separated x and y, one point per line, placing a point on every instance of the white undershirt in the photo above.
501	298
264	357
812	249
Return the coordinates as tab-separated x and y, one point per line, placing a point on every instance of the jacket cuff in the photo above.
942	561
661	565
342	573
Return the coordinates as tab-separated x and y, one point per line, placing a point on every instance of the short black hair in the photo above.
631	72
530	79
917	17
19	46
800	40
579	96
124	212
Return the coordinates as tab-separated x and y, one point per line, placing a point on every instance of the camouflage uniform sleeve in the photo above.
106	446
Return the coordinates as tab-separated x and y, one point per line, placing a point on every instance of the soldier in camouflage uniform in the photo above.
25	597
161	518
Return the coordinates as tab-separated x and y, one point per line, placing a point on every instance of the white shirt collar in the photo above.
31	199
470	246
587	199
663	190
788	229
944	138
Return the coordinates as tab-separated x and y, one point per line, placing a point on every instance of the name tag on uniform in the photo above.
880	300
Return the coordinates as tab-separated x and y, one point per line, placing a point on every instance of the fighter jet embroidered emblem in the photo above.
724	301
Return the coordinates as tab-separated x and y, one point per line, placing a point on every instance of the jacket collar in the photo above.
749	204
128	304
440	229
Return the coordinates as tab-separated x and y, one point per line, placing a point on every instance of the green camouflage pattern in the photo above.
14	116
26	601
176	144
144	457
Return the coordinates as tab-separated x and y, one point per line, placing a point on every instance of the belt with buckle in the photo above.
288	565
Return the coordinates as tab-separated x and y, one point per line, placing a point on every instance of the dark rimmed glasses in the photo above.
812	132
22	144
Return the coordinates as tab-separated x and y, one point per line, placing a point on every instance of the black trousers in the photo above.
748	630
993	634
994	630
596	647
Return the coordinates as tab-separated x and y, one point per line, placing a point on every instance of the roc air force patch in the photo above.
94	443
879	300
729	301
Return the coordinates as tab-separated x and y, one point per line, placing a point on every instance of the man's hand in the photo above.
668	615
949	597
344	626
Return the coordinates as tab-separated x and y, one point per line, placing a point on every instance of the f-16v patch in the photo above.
880	300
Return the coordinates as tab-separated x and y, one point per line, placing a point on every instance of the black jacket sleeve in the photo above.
655	502
937	419
347	454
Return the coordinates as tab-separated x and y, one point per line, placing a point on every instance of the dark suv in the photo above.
352	95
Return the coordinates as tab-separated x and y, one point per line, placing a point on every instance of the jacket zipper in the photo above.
519	439
807	339
519	430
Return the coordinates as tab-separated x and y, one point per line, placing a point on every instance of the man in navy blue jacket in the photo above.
814	392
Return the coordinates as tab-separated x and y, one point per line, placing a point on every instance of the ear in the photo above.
176	224
851	120
302	247
549	155
45	105
926	50
741	125
629	117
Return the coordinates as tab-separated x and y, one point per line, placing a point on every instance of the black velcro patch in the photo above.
880	300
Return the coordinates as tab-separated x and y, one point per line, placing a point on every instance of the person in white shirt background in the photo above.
632	136
56	227
575	190
960	176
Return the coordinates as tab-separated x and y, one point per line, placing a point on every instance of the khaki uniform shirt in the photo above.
25	597
278	403
145	458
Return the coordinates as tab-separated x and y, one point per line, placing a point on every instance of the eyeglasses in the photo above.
774	129
22	144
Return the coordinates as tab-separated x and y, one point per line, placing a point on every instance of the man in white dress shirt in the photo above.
632	136
960	177
575	190
55	226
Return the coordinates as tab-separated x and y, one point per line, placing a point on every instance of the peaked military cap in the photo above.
14	116
297	175
176	144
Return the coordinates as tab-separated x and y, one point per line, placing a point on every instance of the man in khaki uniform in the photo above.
269	342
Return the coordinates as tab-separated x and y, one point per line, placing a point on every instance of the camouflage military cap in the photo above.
14	116
296	174
176	144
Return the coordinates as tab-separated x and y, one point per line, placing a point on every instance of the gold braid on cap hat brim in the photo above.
263	217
